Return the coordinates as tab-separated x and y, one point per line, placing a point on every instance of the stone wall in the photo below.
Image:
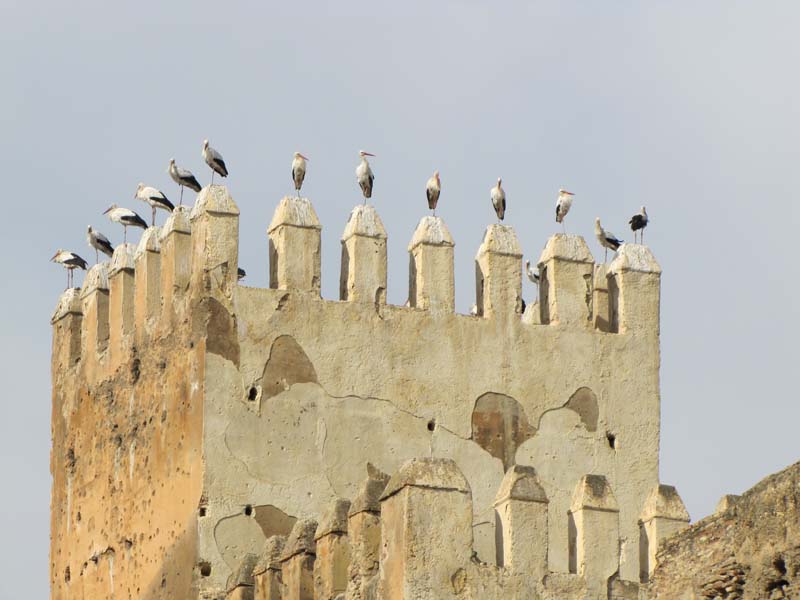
239	414
749	548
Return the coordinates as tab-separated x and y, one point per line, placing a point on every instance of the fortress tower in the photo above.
213	440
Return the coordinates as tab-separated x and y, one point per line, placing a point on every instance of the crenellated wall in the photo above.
195	418
423	544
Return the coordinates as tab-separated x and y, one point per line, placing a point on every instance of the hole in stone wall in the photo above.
252	394
202	511
780	565
78	517
612	440
67	575
205	568
248	510
431	425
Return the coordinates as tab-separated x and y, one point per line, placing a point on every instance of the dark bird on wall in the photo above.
214	160
183	177
607	239
70	261
638	222
99	242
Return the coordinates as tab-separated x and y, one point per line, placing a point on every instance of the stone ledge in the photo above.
296	212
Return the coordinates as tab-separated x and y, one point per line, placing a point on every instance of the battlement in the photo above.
137	294
423	542
248	410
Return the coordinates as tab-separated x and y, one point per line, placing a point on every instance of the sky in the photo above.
688	108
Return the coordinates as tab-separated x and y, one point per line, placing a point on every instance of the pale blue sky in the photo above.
690	108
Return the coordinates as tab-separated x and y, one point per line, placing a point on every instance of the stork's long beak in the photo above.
568	193
106	211
53	257
368	154
304	157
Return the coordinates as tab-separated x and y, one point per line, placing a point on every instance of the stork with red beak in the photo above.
563	205
70	261
433	190
364	175
298	171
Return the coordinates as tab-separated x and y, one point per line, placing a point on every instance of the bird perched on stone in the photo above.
214	160
607	239
364	175
499	199
433	190
125	217
563	204
638	222
155	198
532	275
183	177
298	171
99	242
70	261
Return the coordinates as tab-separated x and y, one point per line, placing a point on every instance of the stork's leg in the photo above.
212	176
605	260
180	186
125	234
96	256
154	216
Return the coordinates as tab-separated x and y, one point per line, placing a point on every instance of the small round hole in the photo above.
202	511
205	569
252	394
431	425
248	510
612	440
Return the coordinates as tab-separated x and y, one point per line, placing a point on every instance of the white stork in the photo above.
70	261
364	175
532	275
563	205
214	160
125	217
155	198
606	238
99	242
499	199
183	177
638	222
298	171
433	190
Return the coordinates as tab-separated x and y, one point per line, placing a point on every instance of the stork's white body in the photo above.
298	170
214	160
433	189
364	176
498	196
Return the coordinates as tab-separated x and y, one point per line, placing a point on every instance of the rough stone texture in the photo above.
749	550
431	283
497	270
267	572
294	246
426	500
363	275
332	551
595	515
663	515
229	414
565	285
522	514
